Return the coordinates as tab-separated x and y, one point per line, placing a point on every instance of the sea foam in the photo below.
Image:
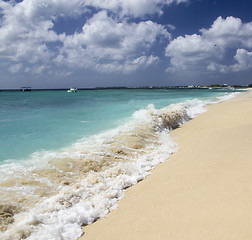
52	195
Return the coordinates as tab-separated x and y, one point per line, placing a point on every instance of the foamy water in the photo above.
53	193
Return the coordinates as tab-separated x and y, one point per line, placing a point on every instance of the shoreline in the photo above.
29	89
203	191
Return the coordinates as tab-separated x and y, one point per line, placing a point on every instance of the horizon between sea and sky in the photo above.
95	43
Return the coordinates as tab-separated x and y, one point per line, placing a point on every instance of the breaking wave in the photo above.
53	194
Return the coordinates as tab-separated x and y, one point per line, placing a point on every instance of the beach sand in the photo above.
204	191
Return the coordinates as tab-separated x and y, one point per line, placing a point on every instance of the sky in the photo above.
113	43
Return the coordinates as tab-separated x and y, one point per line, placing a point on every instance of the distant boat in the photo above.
25	89
72	90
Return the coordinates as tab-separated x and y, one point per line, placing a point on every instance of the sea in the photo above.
67	158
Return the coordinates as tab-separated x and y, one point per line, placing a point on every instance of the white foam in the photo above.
86	180
228	96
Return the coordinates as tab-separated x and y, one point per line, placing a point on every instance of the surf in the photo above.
53	194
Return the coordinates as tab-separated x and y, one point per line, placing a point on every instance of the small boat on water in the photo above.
25	89
72	90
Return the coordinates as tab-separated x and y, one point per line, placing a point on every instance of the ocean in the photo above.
67	158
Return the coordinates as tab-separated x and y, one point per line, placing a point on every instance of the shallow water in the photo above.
66	158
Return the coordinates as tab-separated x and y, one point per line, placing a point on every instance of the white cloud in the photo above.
15	68
135	8
171	27
243	60
128	66
27	34
208	49
25	28
39	69
110	44
229	32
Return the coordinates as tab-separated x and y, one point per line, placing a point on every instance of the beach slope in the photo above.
204	191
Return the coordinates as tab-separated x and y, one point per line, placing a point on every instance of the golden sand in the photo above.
204	191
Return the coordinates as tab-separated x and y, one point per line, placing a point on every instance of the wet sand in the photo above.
204	191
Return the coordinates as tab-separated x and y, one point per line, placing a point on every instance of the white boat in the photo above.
72	90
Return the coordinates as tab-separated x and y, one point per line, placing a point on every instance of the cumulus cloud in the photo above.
243	60
208	50
108	44
107	41
25	28
133	8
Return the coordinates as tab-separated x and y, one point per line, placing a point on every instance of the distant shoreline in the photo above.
147	87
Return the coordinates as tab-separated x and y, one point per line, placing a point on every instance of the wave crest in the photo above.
54	193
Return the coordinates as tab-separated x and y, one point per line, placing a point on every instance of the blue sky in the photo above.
99	43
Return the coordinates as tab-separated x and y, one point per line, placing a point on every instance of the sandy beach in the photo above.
204	191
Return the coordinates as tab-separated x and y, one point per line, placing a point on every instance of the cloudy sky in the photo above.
97	43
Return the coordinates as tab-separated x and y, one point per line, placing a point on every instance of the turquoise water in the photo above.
48	120
66	158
